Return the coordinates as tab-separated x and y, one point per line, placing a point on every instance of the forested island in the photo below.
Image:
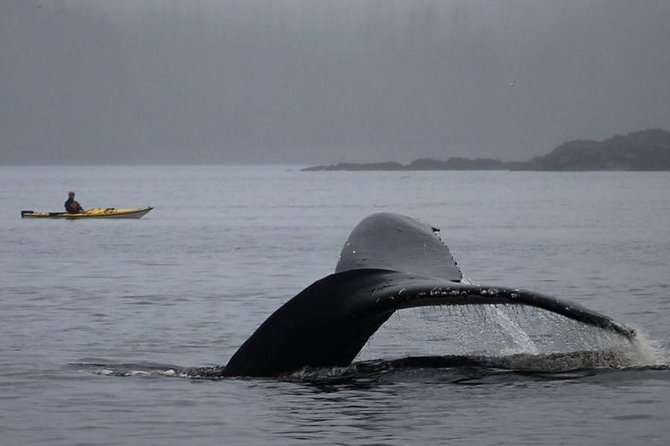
646	150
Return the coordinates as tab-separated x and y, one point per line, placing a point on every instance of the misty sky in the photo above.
314	81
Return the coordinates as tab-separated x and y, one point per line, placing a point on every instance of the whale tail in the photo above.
389	263
398	243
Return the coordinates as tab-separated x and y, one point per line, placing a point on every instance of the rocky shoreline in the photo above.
646	150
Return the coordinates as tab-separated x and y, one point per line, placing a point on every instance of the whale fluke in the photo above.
390	262
398	243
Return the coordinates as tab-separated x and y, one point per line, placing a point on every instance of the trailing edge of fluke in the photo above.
390	262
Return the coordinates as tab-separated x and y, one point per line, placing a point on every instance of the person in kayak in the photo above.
72	205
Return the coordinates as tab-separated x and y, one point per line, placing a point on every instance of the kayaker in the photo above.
72	205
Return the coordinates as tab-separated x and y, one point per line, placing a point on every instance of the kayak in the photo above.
91	213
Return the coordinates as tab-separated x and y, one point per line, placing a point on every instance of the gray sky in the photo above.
312	81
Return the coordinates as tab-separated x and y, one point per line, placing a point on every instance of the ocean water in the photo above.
97	318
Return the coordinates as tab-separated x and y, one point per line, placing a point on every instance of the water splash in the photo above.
492	338
520	334
149	370
519	337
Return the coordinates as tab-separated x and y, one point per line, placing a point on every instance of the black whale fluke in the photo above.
389	262
398	243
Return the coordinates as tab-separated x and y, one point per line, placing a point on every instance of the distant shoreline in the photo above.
646	150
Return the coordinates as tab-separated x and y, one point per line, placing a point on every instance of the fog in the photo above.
307	81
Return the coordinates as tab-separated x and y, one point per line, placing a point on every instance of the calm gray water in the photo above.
84	302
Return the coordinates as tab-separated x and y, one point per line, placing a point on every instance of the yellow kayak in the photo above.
91	213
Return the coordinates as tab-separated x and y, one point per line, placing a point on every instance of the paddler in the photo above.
71	205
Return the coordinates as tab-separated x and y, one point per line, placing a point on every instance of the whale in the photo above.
389	262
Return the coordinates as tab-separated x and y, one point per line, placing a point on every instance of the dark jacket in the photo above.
72	205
